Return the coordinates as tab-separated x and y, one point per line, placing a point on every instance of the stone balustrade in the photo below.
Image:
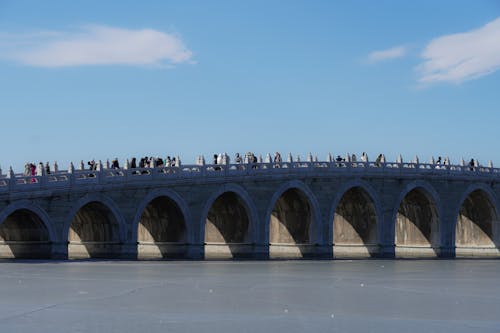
105	174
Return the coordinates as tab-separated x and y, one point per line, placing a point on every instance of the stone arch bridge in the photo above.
260	210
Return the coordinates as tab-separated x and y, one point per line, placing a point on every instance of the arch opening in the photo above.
477	222
24	235
227	226
291	219
355	225
161	232
94	233
417	225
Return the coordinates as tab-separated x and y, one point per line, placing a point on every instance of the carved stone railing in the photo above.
72	177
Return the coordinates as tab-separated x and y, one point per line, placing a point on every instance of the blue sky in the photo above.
95	79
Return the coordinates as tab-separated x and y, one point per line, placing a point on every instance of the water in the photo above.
264	296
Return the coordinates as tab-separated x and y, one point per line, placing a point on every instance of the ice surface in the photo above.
245	296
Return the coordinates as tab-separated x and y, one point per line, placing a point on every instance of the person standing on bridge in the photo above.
27	169
238	159
472	164
277	160
438	163
39	169
216	157
339	161
364	157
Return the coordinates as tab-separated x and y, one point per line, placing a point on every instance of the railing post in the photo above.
43	176
98	174
399	161
309	157
347	161
446	163
382	161
71	170
12	178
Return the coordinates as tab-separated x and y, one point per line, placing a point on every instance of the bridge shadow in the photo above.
290	227
417	226
94	233
161	231
355	226
475	227
227	229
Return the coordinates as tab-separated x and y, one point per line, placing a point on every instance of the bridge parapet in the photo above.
72	177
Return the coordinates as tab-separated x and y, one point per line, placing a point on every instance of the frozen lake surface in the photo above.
246	296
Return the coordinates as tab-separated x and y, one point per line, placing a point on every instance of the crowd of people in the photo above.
144	162
31	169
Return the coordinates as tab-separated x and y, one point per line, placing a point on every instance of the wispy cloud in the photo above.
95	45
392	53
463	56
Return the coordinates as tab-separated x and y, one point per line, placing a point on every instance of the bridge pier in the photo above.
59	250
387	251
129	251
195	251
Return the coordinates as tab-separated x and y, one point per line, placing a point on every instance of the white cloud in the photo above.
392	53
463	56
95	45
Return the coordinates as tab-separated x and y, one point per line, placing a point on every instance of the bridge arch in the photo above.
25	231
288	234
95	228
416	221
166	229
354	220
228	225
476	229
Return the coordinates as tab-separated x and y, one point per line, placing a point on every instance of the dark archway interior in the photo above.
355	221
291	219
162	221
25	235
417	222
475	221
94	222
227	220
